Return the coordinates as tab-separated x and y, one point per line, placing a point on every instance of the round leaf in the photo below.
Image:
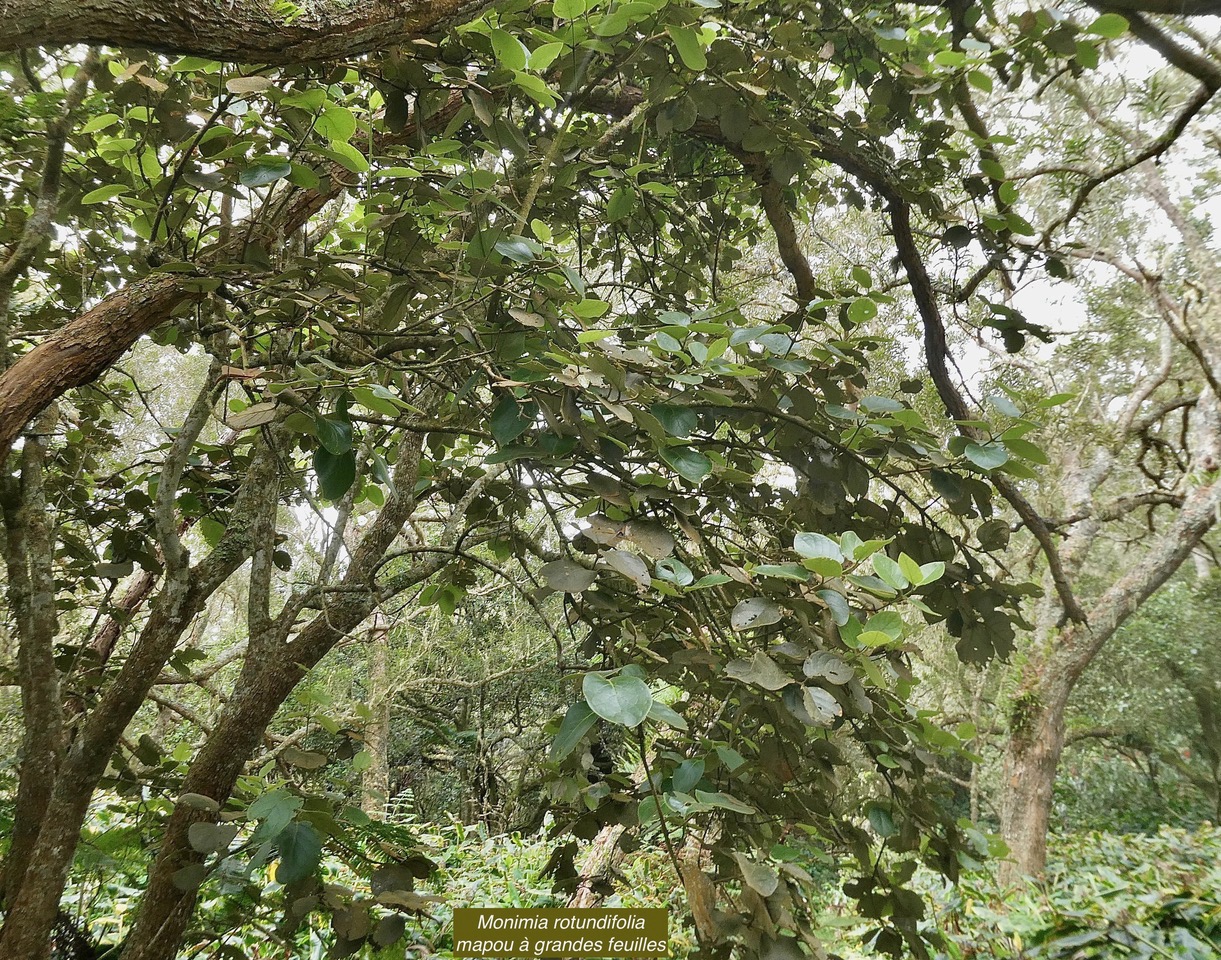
567	576
755	612
625	701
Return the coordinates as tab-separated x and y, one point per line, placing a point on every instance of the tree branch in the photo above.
245	31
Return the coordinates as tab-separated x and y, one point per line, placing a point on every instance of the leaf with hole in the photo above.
828	666
821	705
755	612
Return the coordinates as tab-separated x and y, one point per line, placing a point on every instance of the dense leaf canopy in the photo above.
529	291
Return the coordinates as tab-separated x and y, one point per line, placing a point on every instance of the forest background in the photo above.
758	458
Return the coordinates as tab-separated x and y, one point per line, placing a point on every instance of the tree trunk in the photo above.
1031	759
375	781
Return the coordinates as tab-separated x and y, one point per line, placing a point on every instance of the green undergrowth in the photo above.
1103	896
1106	896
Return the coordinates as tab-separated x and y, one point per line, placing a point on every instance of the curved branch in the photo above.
244	31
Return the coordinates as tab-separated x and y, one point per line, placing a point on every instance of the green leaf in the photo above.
100	122
828	666
862	310
334	433
812	545
275	809
347	156
567	576
909	568
881	821
687	774
544	56
570	9
687	463
621	700
1027	451
687	43
755	612
517	249
1109	26
1004	405
508	50
621	204
300	850
573	727
782	571
336	473
510	420
838	606
264	171
590	309
890	572
108	192
662	713
336	123
760	670
724	801
677	421
758	876
675	571
986	456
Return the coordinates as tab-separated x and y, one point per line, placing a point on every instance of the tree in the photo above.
491	272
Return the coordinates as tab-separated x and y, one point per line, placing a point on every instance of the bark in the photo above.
244	31
375	781
31	913
32	596
1032	757
598	868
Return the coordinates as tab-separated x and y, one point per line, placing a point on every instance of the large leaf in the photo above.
567	576
758	876
264	171
300	850
629	565
687	463
620	699
677	421
336	474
